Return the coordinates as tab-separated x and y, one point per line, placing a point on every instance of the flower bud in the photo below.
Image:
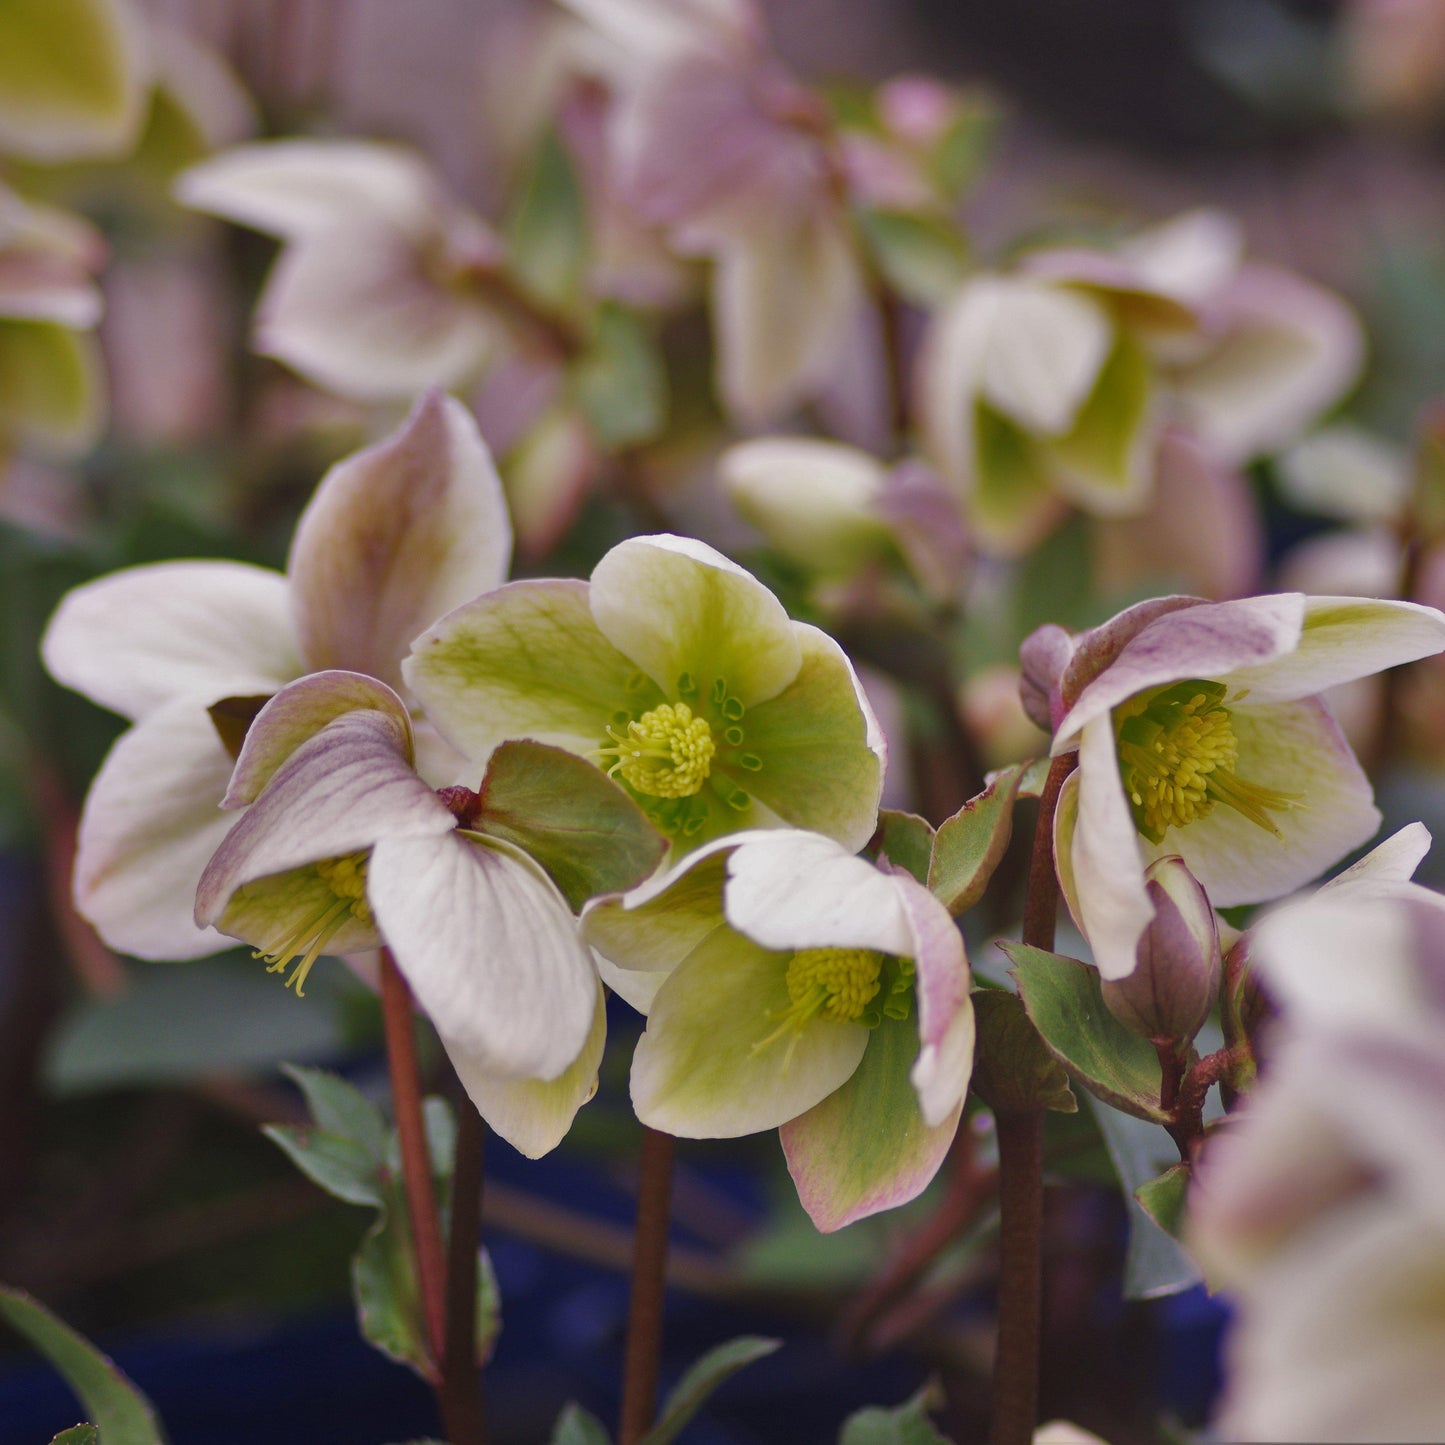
1172	989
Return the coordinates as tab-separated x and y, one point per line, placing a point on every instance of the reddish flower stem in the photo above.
421	1200
643	1354
1021	1176
462	1408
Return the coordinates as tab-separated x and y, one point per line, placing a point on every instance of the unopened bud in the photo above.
1172	989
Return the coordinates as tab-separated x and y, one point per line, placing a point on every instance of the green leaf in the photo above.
341	1109
110	1400
340	1166
908	1424
574	820
548	229
924	257
701	1379
576	1427
906	840
78	1435
384	1283
1162	1199
620	383
1013	1069
1154	1264
970	845
1066	1005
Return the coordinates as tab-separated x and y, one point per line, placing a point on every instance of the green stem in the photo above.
643	1355
1021	1176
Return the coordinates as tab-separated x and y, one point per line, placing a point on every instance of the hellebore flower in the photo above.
342	846
376	294
1319	1207
781	976
677	673
1200	732
394	536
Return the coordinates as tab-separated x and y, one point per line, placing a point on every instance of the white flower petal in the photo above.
490	949
533	1115
147	635
151	820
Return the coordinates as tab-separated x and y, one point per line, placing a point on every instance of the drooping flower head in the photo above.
678	674
1200	732
788	984
343	846
394	536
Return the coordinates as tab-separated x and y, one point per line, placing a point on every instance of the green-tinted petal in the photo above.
821	751
696	1072
675	606
72	80
52	387
524	661
533	1115
268	912
866	1147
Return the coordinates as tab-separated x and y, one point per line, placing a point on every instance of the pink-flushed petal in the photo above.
343	789
1105	863
658	32
524	661
1212	641
355	310
698	1071
147	635
151	820
298	712
790	889
1291	747
1290	350
785	297
674	606
397	536
1343	638
1091	652
1302	1368
548	473
945	1011
533	1115
296	188
39	287
1202	530
866	1148
437	761
490	949
1043	657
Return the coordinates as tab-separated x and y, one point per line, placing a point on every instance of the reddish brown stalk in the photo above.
1021	1176
643	1355
421	1200
462	1410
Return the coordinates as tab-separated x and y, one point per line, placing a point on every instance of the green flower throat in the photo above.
1177	753
676	757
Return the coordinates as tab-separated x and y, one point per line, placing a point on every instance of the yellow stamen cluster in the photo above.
346	878
836	984
666	753
1177	752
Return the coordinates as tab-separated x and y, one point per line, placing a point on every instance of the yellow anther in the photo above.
666	753
346	878
836	984
1177	752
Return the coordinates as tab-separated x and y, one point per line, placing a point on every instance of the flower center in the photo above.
1177	752
665	753
346	878
836	984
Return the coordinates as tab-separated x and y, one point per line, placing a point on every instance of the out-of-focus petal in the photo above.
395	537
150	822
201	630
52	387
